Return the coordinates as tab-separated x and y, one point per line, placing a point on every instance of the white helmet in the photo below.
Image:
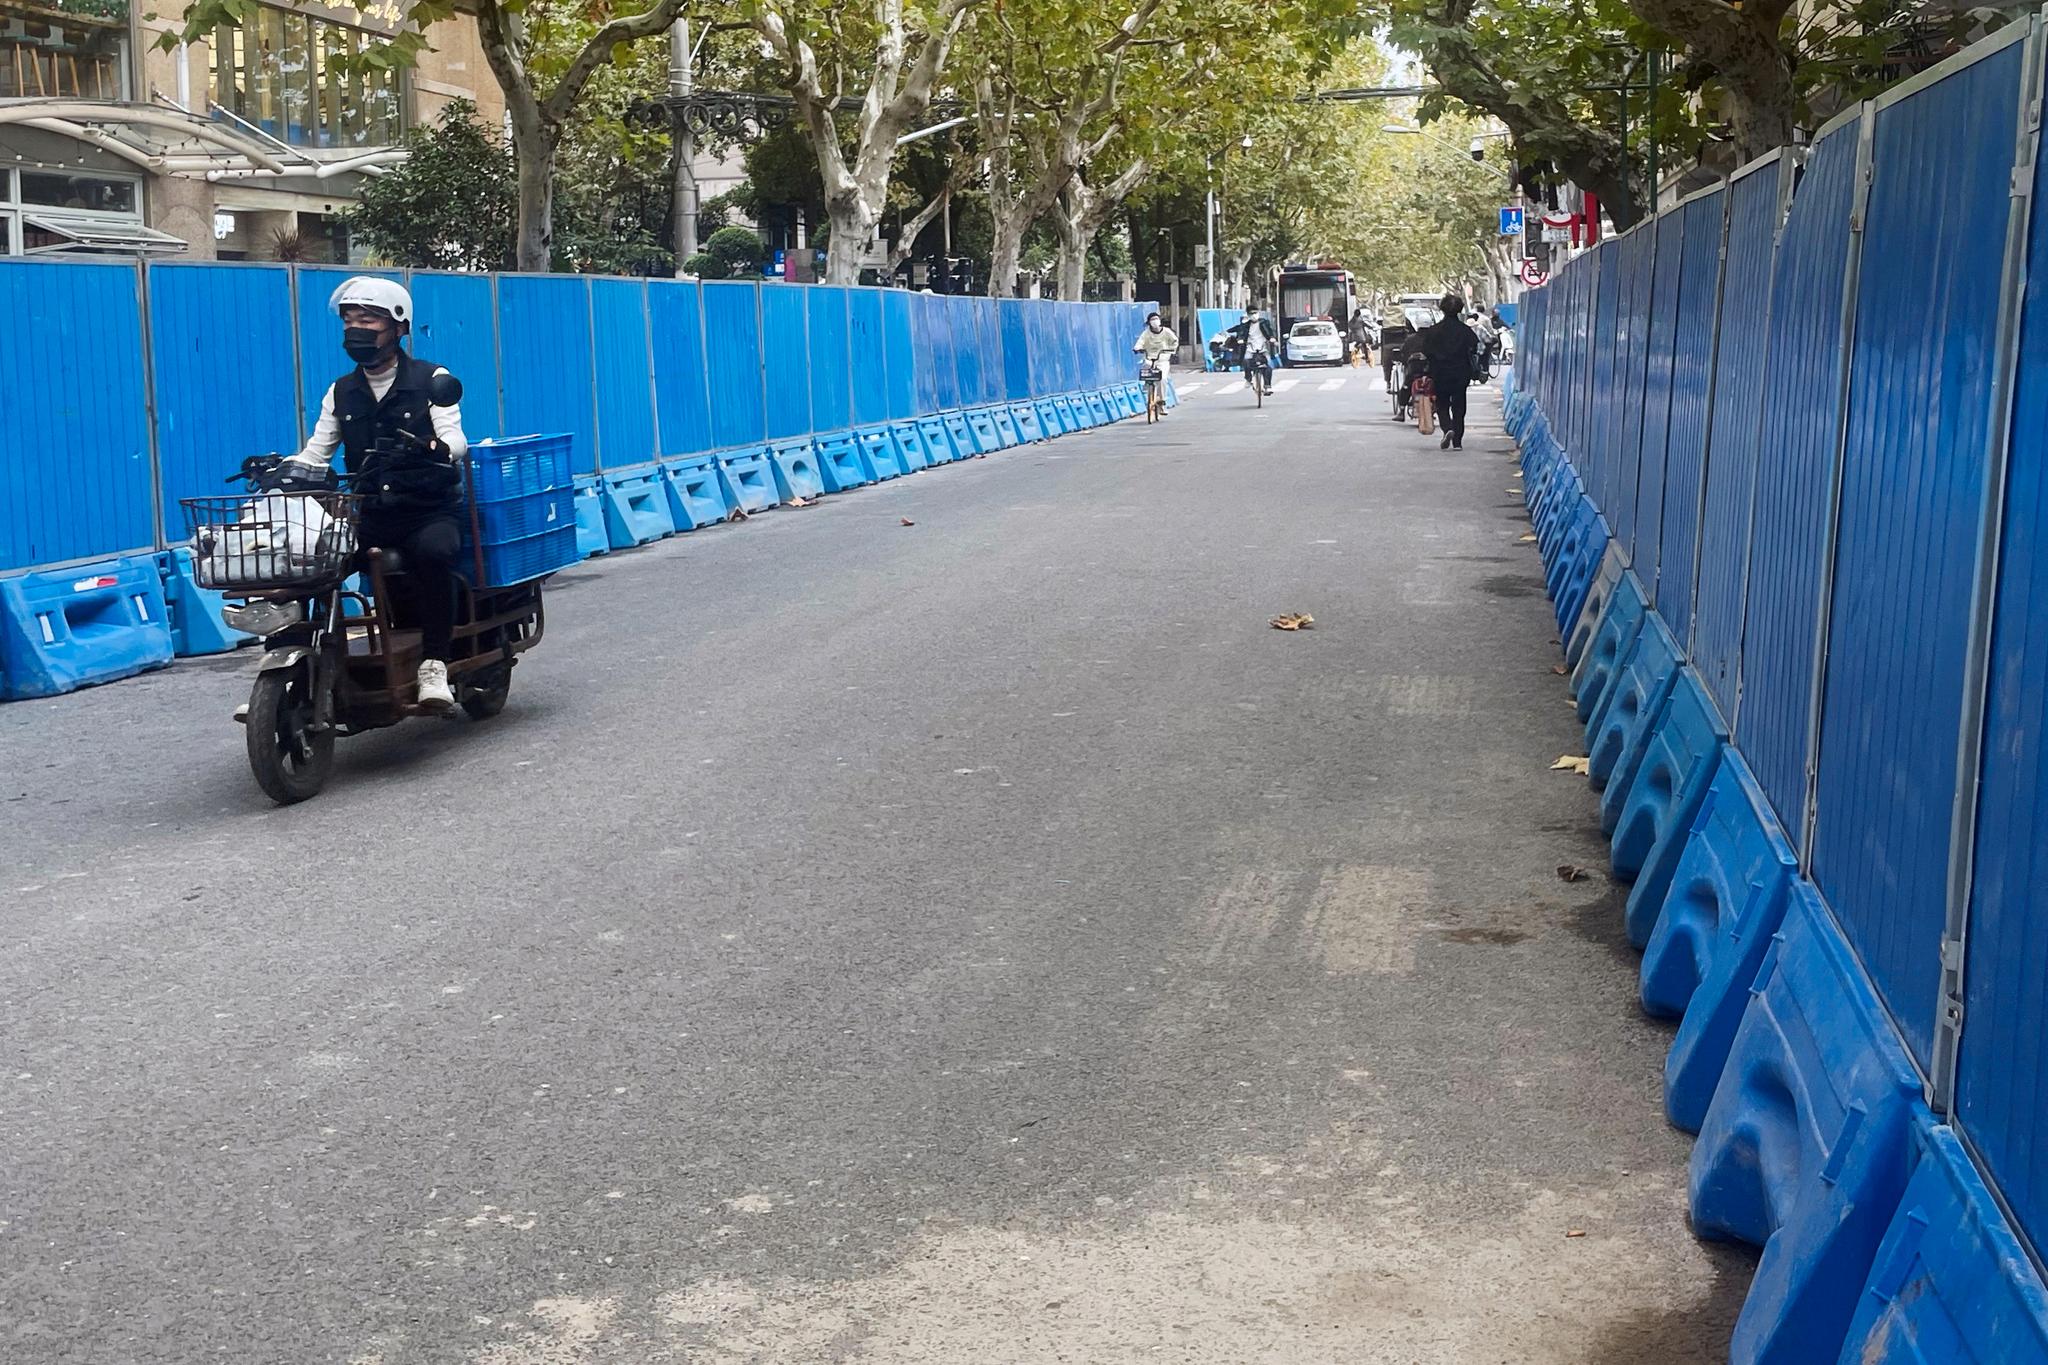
367	291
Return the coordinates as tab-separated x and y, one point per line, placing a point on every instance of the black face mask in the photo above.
366	345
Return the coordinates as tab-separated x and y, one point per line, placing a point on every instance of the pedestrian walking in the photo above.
1450	345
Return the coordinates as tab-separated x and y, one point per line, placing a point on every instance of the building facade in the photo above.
248	146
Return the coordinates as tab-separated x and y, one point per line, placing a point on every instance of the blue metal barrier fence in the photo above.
145	383
1788	441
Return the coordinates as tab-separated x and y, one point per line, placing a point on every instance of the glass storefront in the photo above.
72	49
298	79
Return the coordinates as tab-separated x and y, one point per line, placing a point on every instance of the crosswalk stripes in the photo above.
1212	384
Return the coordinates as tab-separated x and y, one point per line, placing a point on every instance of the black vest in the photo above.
397	479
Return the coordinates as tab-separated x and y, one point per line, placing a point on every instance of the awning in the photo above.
81	233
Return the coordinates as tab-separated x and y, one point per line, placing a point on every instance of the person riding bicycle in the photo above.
404	455
1255	342
1156	344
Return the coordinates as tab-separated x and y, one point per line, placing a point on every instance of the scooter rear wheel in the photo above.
289	758
490	696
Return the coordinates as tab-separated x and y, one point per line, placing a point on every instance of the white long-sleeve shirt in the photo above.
326	437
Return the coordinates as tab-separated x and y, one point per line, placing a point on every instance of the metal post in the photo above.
149	406
1789	161
1852	284
653	389
684	143
1209	228
1699	516
1948	1019
1656	71
596	389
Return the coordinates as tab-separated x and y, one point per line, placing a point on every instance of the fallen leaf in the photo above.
1569	764
1568	872
1526	539
1294	620
982	456
1575	1232
1559	669
737	514
801	502
1514	490
906	521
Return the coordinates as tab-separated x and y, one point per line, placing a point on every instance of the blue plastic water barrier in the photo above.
1024	417
1578	581
878	449
1647	807
70	628
1619	727
1134	397
1711	928
1172	394
1553	516
747	479
696	495
196	627
840	464
1098	407
988	437
591	536
795	465
1051	421
960	430
1806	1146
910	446
1951	1283
636	509
1006	427
1575	528
1073	409
938	444
1600	664
1594	609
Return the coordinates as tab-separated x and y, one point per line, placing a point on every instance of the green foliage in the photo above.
705	266
741	252
449	205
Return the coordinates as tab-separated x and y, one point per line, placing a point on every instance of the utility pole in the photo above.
1209	227
684	142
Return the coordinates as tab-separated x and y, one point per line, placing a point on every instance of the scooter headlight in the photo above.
263	618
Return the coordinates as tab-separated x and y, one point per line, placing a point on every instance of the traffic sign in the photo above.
1511	221
1533	272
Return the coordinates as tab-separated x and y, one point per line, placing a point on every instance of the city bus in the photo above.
1301	293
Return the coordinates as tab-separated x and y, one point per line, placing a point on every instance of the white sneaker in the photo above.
435	693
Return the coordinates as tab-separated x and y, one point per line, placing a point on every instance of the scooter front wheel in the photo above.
289	754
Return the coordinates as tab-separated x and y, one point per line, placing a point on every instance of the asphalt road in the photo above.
979	940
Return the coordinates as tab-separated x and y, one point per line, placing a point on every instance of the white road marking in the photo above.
1283	385
1333	382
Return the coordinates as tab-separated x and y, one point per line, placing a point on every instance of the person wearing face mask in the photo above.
1156	344
404	454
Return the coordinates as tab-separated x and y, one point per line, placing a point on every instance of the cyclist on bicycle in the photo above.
404	452
1256	341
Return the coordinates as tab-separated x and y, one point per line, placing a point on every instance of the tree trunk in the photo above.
1743	47
1083	212
534	152
1073	255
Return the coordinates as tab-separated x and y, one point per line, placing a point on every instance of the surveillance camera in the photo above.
1478	149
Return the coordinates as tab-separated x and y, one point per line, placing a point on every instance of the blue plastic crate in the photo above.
518	465
528	514
515	561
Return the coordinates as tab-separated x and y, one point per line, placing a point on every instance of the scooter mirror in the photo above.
444	389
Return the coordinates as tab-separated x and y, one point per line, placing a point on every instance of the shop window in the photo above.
297	78
75	49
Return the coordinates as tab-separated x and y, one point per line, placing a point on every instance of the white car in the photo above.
1315	343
